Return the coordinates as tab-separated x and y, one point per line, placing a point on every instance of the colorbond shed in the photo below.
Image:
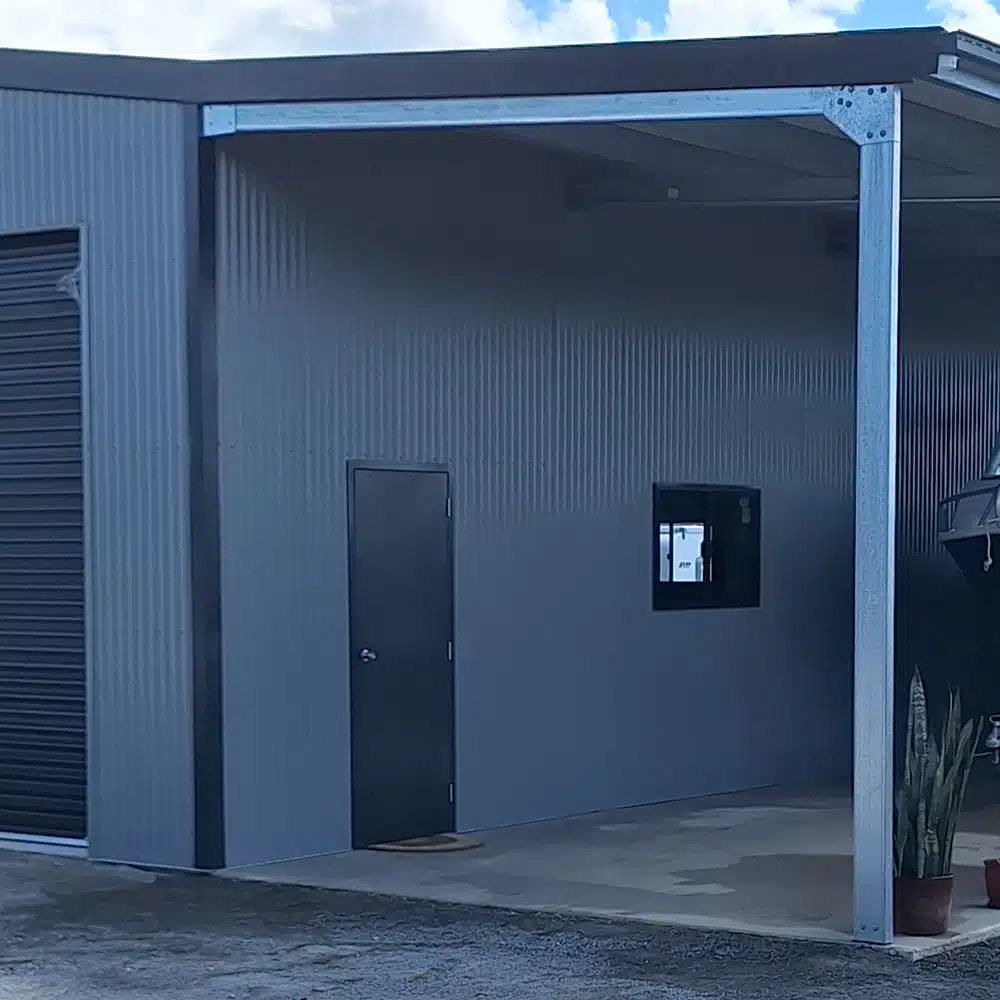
334	393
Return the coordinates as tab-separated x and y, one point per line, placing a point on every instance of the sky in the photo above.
231	28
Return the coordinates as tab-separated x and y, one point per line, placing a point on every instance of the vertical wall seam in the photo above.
203	402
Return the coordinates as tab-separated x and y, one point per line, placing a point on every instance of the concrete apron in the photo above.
762	862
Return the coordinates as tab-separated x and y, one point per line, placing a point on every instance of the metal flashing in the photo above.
202	358
951	71
979	48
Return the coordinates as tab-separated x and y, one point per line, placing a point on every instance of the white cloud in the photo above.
979	17
717	18
206	28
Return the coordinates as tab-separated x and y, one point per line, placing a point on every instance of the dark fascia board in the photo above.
131	77
631	67
862	58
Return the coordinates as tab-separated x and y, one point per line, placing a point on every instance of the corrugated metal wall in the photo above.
949	421
116	168
427	299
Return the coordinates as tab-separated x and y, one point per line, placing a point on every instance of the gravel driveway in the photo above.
71	930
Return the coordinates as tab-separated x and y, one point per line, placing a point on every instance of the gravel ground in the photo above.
71	930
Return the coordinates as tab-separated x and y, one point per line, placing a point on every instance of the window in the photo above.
682	553
706	547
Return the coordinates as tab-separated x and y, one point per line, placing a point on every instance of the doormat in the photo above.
437	844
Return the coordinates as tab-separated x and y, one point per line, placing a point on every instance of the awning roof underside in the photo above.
951	165
951	134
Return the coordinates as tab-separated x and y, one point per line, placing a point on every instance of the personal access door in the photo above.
402	678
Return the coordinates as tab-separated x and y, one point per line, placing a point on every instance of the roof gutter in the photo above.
974	66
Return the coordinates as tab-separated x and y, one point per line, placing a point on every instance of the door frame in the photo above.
387	465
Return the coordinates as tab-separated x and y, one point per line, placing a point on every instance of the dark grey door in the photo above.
402	689
42	677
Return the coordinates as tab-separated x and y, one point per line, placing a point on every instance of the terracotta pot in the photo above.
922	906
993	883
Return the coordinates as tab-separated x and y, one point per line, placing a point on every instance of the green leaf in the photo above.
921	838
918	706
901	839
932	784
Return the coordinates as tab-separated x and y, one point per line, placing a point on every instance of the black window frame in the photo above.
731	549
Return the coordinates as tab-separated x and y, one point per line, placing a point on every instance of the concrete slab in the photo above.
765	863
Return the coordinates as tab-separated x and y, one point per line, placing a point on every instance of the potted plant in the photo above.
993	883
992	744
928	802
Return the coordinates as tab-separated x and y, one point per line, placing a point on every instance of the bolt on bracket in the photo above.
865	115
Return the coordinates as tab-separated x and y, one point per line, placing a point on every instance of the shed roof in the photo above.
864	57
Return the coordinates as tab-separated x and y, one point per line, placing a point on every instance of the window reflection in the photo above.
682	553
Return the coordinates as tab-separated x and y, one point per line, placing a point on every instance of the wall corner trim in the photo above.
202	353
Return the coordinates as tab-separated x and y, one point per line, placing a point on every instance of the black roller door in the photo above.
42	675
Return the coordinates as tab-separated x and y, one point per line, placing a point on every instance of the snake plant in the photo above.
931	787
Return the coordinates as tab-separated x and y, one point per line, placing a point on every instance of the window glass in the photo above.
682	555
687	553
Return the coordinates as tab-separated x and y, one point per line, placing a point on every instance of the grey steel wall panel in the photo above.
425	298
559	366
949	421
114	168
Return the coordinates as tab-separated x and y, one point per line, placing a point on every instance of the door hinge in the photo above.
451	651
447	507
451	793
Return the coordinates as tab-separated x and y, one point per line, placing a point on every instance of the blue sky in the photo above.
872	13
890	14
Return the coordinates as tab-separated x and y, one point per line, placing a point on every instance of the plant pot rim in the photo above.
933	878
990	862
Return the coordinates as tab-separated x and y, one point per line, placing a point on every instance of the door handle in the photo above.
367	655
